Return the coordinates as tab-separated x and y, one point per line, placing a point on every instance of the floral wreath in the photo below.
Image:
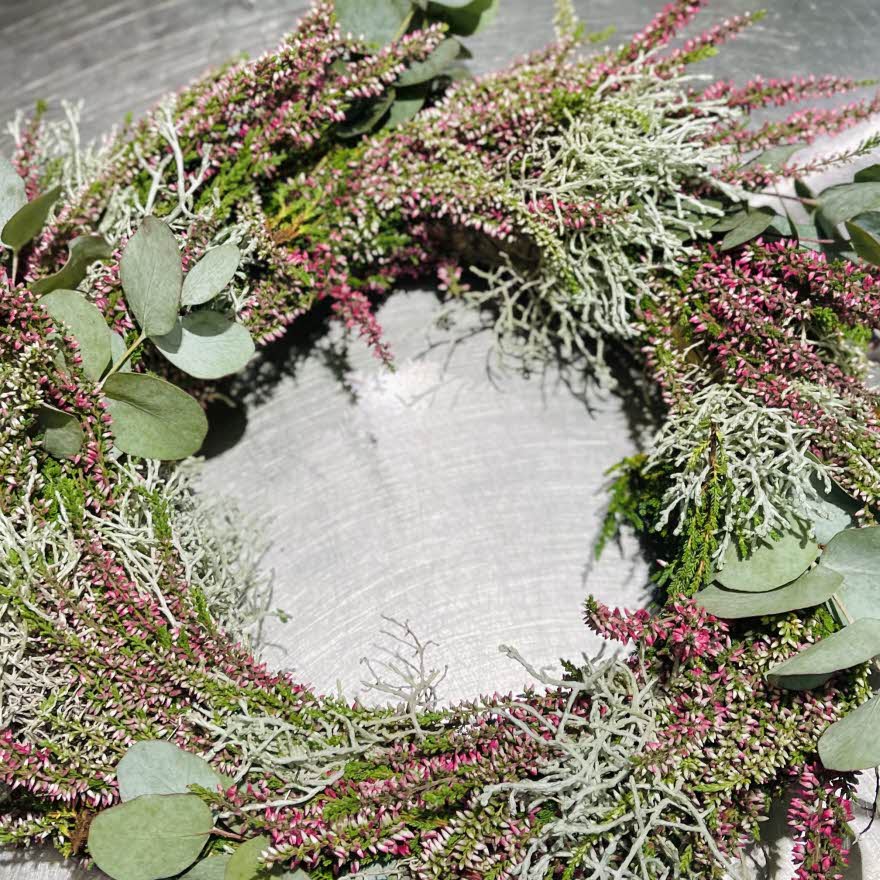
597	210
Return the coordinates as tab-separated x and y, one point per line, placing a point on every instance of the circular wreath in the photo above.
597	210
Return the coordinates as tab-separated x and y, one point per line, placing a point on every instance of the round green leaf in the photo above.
63	435
206	345
854	644
852	743
378	22
210	275
245	863
25	224
158	767
82	252
85	323
367	120
812	588
151	837
407	103
432	66
751	226
211	868
118	349
465	19
12	193
841	203
865	243
153	418
152	277
770	565
830	511
855	553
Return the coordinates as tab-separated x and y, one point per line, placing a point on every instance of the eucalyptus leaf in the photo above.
159	767
770	564
367	120
852	742
433	65
866	244
840	203
406	105
775	158
729	221
211	868
82	252
855	553
210	275
245	863
118	349
850	646
803	191
867	175
152	277
802	682
377	21
466	19
150	837
63	435
25	224
752	225
153	418
12	192
829	511
812	588
207	345
85	323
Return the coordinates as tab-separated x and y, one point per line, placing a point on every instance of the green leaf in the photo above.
753	224
466	19
207	345
841	203
812	588
776	157
378	22
12	193
432	66
82	252
771	564
729	221
803	191
854	644
368	120
25	224
63	435
855	553
829	512
158	767
245	863
153	418
151	277
151	837
852	743
868	175
117	351
210	275
407	104
866	244
85	323
211	868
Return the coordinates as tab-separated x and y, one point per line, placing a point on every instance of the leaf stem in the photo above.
227	834
122	361
14	266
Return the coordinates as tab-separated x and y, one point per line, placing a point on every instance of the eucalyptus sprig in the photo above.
152	418
164	823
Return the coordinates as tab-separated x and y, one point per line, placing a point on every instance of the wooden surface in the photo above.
464	502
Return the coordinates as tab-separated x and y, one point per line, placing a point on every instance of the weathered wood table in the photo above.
460	497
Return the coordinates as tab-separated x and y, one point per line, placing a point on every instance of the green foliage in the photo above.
159	767
852	743
63	435
464	19
82	252
153	418
769	564
86	324
865	242
378	22
206	345
435	65
23	226
152	277
245	863
855	554
12	193
751	224
210	275
211	868
151	837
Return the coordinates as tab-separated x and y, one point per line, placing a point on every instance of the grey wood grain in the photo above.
463	499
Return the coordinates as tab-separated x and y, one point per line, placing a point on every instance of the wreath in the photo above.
597	209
